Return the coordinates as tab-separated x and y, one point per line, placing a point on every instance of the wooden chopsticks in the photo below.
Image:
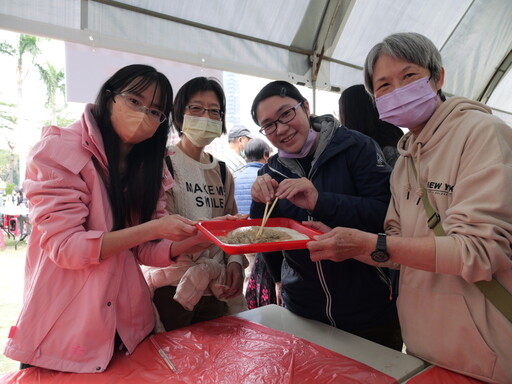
162	354
266	215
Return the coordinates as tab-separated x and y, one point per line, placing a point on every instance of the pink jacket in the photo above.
73	303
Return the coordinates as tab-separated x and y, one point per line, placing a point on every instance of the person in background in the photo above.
238	138
203	285
324	171
457	160
357	111
257	153
93	224
259	286
23	220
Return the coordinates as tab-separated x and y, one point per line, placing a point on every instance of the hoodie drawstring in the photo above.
419	190
407	187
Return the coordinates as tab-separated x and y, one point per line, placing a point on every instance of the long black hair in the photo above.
189	89
358	112
134	195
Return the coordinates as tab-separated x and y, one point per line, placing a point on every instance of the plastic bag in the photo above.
225	350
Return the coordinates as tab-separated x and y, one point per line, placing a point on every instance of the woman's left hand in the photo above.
341	244
318	225
300	192
192	244
234	281
238	216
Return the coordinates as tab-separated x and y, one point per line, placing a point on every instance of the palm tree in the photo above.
27	45
7	124
54	81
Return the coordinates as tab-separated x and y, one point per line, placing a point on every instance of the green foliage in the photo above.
9	187
7	48
62	121
4	166
54	81
27	44
7	118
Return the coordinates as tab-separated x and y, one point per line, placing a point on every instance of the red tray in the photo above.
215	228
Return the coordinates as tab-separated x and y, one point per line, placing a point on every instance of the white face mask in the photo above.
201	131
133	127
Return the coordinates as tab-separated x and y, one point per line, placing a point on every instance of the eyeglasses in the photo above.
197	110
283	118
133	102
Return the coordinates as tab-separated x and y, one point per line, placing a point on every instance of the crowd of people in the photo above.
416	227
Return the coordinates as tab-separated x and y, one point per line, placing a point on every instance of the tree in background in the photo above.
55	82
26	51
6	169
7	125
26	45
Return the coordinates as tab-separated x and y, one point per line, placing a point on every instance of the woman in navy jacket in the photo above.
325	172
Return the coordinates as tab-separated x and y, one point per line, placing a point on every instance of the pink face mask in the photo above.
133	127
306	148
409	106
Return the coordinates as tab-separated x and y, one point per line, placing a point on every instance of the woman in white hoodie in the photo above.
207	284
459	156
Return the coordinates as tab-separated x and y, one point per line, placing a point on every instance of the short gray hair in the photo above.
411	47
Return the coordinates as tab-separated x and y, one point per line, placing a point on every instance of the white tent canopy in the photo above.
318	43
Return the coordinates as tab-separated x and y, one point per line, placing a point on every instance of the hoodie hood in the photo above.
413	148
431	134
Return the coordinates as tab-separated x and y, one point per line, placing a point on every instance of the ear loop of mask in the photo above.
439	92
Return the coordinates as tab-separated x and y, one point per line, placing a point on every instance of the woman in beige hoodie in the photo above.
462	157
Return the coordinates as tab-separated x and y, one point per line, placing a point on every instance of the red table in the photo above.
438	375
226	350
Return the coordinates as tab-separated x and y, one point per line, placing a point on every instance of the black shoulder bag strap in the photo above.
496	293
169	165
221	164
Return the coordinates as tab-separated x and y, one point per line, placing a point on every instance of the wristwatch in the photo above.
380	255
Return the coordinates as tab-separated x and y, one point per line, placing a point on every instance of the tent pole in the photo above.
314	96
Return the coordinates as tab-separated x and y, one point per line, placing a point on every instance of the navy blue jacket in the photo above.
352	180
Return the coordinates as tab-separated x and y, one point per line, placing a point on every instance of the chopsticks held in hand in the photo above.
266	215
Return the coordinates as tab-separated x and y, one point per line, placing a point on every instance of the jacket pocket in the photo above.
439	328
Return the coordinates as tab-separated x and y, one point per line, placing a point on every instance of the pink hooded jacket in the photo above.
73	303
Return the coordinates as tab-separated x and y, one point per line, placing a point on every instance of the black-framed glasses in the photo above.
135	103
283	118
197	110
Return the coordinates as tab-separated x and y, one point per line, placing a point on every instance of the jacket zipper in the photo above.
319	270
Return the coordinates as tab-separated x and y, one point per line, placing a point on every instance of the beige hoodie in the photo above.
199	193
464	160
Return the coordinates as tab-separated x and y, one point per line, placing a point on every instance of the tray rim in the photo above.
258	247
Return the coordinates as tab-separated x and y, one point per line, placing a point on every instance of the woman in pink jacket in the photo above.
97	204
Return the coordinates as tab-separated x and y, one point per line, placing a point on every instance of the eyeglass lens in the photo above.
284	118
197	110
134	103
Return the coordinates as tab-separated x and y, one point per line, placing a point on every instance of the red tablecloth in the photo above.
437	375
226	350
